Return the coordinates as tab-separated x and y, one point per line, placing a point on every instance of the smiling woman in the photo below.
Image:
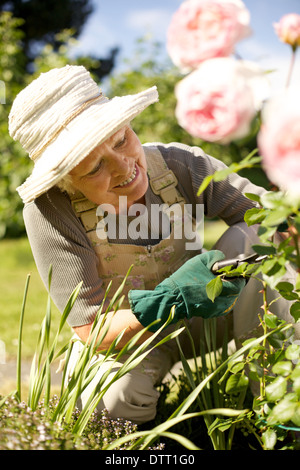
73	131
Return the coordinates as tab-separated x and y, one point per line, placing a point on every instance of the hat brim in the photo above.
79	137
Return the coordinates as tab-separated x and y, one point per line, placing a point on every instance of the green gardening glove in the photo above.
186	289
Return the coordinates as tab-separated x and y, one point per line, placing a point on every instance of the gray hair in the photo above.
66	185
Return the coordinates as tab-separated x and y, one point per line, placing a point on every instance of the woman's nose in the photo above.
119	164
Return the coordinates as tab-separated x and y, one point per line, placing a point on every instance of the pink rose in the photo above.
279	141
218	101
288	29
204	29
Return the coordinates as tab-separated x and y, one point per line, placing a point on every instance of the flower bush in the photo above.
207	98
203	29
218	101
279	141
288	29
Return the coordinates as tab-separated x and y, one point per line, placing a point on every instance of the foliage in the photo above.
217	390
15	165
209	398
61	414
40	25
21	428
273	364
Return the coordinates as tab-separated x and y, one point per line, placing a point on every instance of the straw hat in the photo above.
61	117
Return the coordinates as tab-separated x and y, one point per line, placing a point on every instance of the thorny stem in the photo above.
295	236
263	323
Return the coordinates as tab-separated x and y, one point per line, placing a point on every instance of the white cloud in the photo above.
155	21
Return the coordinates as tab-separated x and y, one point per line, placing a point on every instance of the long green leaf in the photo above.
189	400
154	433
19	353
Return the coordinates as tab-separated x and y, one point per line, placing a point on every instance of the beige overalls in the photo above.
134	396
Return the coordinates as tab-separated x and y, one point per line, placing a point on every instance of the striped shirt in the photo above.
57	237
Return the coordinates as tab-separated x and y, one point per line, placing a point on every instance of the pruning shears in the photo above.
235	262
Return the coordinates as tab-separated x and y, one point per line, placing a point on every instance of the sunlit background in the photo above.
119	23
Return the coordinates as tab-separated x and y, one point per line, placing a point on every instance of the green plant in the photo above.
216	391
58	416
273	364
21	428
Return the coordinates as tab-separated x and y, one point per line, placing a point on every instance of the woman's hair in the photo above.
65	184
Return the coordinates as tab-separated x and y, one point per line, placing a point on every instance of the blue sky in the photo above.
121	22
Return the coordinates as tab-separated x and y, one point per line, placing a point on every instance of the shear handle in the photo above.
234	262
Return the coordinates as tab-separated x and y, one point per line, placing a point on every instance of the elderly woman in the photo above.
98	201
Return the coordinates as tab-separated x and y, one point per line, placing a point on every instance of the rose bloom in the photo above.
204	29
288	29
279	141
218	101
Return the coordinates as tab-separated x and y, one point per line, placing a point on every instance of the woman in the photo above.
98	201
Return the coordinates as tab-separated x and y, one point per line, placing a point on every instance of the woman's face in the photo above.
115	168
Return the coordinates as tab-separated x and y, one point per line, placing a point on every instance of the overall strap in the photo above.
162	180
85	211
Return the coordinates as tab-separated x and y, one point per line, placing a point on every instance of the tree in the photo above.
12	170
44	21
15	165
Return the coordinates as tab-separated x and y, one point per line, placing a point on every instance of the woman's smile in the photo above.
134	175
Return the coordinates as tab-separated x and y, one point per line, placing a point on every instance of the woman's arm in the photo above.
122	320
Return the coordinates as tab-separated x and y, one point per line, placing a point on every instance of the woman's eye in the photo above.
96	169
120	143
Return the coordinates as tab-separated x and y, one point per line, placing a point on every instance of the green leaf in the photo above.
254	216
296	386
286	290
204	184
297	285
236	383
282	368
284	286
276	217
264	249
292	352
296	416
269	438
214	288
296	372
295	311
256	371
277	389
271	320
253	197
236	365
272	199
285	410
265	233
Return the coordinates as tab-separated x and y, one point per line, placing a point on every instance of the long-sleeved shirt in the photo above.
57	237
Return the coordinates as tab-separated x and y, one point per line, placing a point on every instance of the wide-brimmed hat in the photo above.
61	117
